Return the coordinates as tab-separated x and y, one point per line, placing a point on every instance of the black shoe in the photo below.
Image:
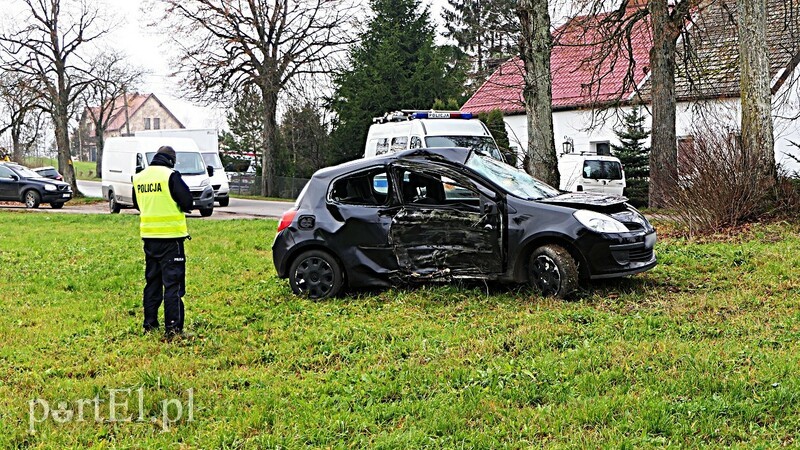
172	334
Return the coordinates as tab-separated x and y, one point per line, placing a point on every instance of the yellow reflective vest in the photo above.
160	217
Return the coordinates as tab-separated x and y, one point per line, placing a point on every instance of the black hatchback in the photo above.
445	214
20	184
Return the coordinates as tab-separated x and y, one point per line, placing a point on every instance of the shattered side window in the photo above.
370	188
430	188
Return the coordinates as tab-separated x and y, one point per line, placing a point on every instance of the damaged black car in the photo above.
445	214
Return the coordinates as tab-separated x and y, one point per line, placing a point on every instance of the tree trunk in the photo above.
16	144
663	148
535	47
99	142
756	97
269	142
61	125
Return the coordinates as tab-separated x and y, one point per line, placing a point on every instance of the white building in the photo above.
594	81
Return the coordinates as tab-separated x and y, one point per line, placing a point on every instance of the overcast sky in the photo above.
146	49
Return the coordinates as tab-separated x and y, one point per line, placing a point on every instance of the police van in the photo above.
123	157
408	129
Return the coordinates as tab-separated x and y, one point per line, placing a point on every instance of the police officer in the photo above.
162	197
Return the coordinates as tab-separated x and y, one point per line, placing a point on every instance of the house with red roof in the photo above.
595	78
130	113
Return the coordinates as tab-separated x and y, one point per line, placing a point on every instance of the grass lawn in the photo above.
84	170
701	352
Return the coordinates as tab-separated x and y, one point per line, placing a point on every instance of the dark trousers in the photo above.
165	274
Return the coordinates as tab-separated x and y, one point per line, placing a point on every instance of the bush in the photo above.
719	184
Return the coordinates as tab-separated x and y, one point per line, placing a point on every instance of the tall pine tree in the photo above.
395	66
635	157
482	29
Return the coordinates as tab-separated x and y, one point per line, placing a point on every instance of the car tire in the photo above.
552	271
224	201
32	199
316	274
113	206
58	205
206	212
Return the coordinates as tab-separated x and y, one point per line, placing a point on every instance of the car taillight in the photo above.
286	219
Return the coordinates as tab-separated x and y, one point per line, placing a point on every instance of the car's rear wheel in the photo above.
113	206
224	201
32	199
206	212
316	274
58	205
552	271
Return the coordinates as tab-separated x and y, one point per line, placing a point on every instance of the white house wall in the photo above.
584	130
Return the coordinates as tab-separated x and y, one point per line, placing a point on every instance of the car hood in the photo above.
595	202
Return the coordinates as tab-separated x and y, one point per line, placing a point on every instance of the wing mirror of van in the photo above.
210	171
139	169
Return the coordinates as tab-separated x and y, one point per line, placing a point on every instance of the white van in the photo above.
207	140
407	129
591	173
125	156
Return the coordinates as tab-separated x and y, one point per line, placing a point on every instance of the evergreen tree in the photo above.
304	141
635	157
395	66
245	135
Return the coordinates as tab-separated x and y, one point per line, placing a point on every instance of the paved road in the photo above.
237	207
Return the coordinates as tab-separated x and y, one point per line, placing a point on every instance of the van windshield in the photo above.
212	159
602	170
483	144
513	181
187	163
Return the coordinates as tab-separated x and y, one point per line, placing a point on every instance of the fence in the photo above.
249	184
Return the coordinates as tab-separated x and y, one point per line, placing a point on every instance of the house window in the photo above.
146	123
602	148
156	123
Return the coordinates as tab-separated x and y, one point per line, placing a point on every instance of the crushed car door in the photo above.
448	226
363	204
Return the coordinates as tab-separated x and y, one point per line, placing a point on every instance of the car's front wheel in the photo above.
206	212
58	205
552	271
316	274
224	201
32	199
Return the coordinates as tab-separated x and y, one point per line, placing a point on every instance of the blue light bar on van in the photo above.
441	115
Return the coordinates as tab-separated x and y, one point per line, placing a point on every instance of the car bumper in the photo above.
56	197
619	255
203	199
281	249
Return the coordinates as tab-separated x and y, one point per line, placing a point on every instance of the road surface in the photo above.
238	208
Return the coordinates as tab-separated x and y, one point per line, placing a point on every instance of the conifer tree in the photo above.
634	155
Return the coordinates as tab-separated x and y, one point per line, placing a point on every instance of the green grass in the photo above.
701	352
84	170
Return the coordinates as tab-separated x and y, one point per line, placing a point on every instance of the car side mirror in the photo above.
14	177
210	171
139	169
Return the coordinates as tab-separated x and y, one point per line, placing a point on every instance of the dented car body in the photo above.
443	214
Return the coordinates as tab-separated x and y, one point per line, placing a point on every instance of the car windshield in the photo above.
187	163
212	159
513	181
24	171
483	144
602	170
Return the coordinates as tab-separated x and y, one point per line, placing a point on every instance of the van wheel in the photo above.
57	205
206	212
113	206
552	271
316	274
32	199
224	201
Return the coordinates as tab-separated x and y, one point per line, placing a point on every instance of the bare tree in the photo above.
227	45
755	87
47	48
20	96
535	48
104	96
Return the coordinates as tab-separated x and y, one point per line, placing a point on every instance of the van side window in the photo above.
416	142
382	146
371	188
399	143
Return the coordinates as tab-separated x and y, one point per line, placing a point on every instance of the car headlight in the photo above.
50	187
600	223
205	182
